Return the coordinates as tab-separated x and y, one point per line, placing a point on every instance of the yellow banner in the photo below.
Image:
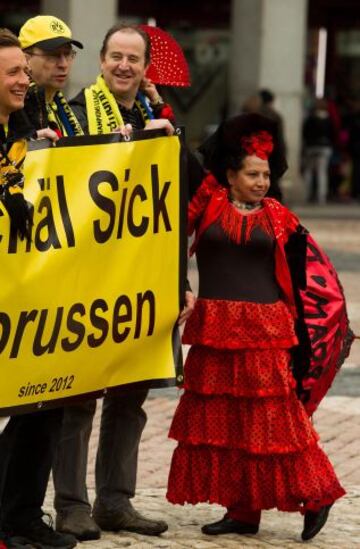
91	302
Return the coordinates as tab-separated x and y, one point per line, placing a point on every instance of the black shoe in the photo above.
314	522
127	519
228	525
41	534
79	523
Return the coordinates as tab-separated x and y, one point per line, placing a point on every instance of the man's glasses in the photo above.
56	57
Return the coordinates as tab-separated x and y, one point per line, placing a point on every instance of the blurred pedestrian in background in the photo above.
268	109
252	103
318	142
353	128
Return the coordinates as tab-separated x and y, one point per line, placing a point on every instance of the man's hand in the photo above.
125	131
190	301
161	124
47	133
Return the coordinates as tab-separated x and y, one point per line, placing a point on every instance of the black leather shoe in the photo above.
40	534
16	542
314	522
228	525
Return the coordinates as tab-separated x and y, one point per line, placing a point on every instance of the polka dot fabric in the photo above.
223	324
239	374
229	477
168	65
259	426
245	440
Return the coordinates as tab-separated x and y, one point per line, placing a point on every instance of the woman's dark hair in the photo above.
123	27
233	162
223	151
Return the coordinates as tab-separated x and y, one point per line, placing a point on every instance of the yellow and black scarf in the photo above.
60	113
12	158
103	112
11	164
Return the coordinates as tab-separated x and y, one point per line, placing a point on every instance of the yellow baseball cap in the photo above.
47	33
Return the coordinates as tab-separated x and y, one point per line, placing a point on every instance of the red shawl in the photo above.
317	303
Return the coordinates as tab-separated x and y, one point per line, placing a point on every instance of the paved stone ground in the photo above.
337	420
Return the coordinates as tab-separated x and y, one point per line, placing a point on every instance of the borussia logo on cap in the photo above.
57	27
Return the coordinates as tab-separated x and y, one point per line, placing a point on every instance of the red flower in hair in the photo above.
259	144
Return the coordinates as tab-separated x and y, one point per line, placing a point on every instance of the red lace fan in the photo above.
168	65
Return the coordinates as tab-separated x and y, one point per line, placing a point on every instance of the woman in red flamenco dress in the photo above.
245	439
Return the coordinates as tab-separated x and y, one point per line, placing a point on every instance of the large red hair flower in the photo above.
259	144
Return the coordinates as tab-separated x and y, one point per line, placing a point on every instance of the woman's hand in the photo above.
190	301
149	89
161	124
156	124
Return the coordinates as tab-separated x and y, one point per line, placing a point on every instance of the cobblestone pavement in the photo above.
337	420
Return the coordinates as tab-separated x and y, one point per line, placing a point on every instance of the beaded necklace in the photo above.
244	205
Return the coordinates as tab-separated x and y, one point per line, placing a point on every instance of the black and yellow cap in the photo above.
47	33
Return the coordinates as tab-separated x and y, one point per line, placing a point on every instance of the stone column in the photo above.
89	20
268	51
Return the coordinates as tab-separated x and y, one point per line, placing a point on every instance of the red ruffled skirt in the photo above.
244	439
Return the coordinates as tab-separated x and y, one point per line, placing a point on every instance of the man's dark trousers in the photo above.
27	447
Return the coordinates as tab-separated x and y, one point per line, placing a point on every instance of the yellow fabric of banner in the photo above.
92	301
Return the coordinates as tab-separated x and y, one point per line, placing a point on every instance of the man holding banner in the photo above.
27	442
48	44
90	301
115	99
113	103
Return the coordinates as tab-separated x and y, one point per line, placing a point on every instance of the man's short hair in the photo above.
8	39
123	27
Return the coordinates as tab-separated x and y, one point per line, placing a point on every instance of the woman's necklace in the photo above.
244	205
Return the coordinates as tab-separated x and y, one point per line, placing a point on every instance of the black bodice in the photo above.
240	272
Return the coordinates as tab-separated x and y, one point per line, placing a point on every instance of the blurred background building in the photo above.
297	49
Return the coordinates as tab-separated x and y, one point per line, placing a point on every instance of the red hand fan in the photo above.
168	65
